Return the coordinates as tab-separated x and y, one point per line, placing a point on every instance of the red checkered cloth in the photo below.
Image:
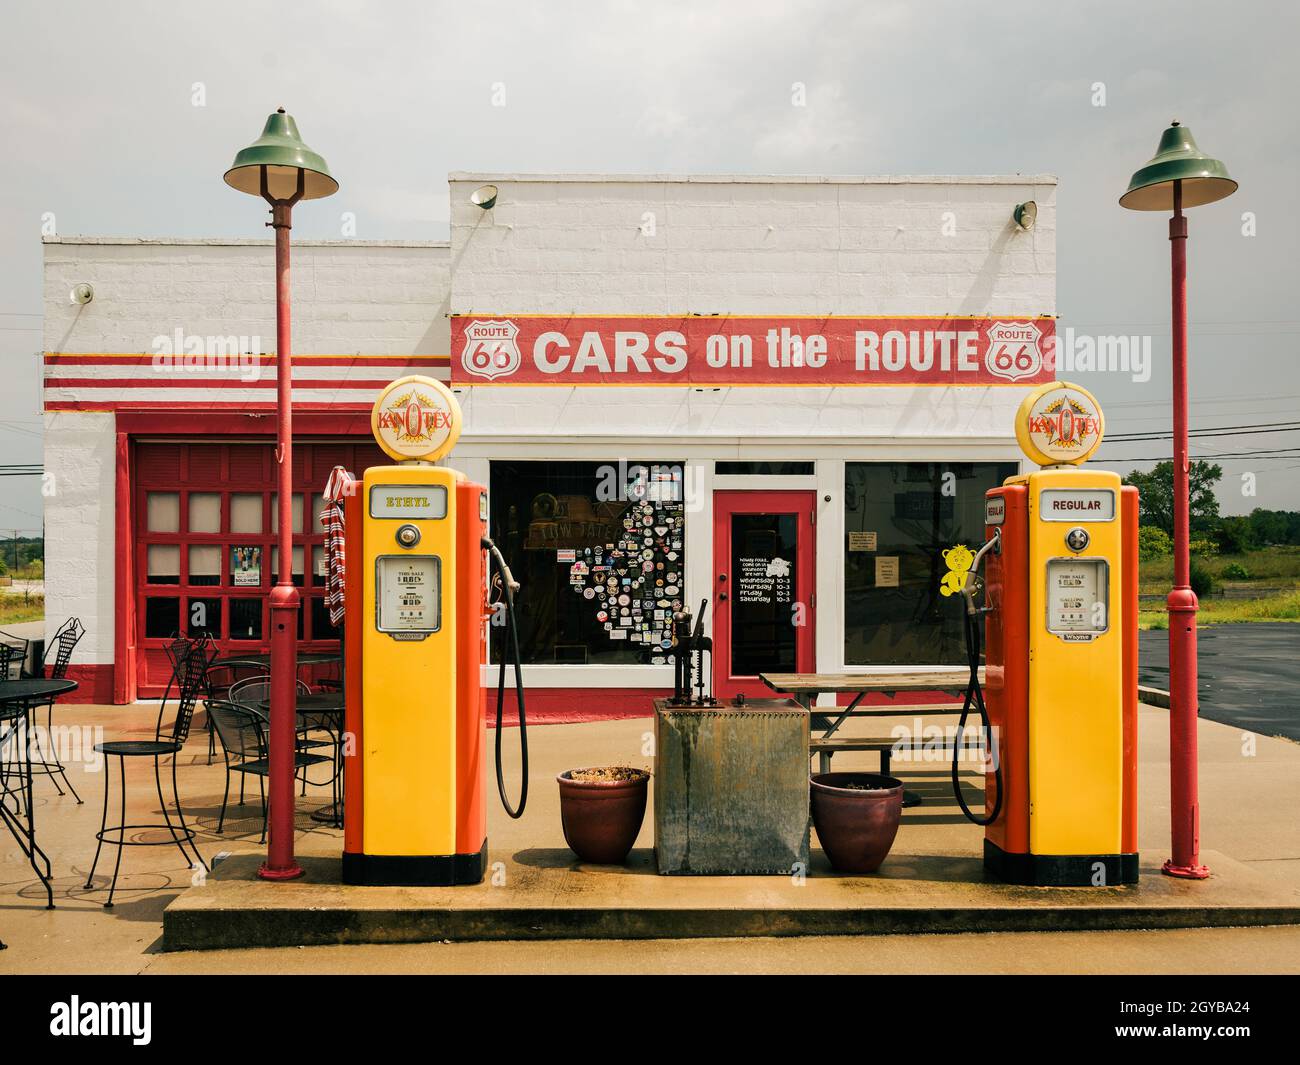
340	485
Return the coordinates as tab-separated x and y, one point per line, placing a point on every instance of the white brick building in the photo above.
818	362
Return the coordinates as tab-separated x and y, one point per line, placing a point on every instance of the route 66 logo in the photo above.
1014	352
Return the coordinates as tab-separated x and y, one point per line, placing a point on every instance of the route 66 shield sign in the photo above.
1014	351
491	349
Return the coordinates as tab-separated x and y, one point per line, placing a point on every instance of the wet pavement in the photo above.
1249	674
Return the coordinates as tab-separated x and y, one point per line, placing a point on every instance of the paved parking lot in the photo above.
1249	674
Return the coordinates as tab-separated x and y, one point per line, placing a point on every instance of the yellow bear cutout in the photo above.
958	559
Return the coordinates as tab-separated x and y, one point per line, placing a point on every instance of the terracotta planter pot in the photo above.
856	827
601	818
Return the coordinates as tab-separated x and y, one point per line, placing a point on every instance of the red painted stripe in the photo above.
55	359
192	382
199	405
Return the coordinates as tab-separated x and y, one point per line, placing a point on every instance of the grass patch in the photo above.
1272	592
1282	607
15	609
1269	565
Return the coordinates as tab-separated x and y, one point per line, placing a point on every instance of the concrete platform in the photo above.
931	881
547	894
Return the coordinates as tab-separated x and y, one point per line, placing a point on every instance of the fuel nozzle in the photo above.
974	582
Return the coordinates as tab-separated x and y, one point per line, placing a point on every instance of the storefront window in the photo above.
246	619
162	618
898	518
598	549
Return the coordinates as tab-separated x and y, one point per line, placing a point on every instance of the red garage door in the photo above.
205	518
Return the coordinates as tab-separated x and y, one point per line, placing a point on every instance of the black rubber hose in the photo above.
511	650
975	698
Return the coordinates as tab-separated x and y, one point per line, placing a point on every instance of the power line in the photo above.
1280	453
1227	430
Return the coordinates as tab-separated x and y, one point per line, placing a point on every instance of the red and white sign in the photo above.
674	350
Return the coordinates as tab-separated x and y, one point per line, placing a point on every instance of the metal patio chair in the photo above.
64	642
251	692
13	650
188	681
243	738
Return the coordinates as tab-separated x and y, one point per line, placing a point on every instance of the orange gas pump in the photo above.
1058	704
418	603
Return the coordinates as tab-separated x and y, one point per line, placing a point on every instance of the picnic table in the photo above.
804	688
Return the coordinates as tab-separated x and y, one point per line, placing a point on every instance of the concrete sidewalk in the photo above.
1249	785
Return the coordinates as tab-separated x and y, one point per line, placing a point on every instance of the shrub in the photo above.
1201	579
1235	536
1235	571
1204	548
1153	543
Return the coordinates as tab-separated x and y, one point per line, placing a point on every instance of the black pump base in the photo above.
415	870
1060	870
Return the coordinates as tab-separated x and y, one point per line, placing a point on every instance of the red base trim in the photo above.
96	684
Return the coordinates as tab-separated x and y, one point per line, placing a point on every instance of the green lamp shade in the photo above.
1204	180
281	153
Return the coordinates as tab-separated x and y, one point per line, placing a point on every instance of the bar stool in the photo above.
189	677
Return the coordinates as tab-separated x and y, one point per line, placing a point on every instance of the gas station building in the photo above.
785	395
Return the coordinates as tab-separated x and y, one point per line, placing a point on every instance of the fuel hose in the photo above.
511	651
974	699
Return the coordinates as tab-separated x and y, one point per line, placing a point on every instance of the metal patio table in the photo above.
17	697
331	704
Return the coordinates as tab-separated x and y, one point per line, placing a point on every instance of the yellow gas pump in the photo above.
1058	706
417	594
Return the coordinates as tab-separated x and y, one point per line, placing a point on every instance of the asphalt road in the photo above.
1249	673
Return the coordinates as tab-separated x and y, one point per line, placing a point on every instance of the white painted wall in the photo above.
80	468
372	297
760	245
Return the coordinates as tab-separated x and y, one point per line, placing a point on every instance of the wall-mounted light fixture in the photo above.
82	294
484	197
1026	214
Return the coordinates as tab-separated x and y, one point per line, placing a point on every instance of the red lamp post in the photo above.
1180	176
282	170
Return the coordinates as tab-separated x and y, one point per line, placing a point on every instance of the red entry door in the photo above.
763	589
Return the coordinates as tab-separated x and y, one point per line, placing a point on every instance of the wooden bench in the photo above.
885	746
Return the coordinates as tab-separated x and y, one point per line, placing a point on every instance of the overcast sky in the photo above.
99	126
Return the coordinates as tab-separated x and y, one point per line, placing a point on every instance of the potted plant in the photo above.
602	809
856	816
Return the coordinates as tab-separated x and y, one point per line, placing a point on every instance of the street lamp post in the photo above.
282	170
1177	177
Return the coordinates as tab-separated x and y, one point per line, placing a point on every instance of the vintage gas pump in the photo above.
1059	699
415	638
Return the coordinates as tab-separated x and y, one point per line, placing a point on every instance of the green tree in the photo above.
1235	535
1270	526
1157	492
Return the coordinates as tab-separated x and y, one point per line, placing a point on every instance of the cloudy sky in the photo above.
101	124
